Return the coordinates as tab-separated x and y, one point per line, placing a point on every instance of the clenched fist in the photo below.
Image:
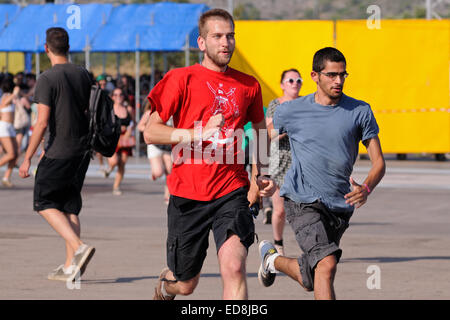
214	124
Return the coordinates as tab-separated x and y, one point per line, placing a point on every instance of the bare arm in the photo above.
7	99
360	192
142	123
273	133
36	138
266	185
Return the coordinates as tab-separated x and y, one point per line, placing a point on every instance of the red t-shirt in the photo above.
192	95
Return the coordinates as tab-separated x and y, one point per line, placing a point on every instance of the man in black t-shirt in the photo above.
62	94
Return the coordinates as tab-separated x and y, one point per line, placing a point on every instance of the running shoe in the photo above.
82	257
62	274
265	277
7	183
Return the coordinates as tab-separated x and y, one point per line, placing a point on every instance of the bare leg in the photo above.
232	256
113	161
122	160
324	279
75	224
323	276
290	267
19	138
157	167
9	170
10	157
60	223
278	216
183	288
167	159
9	149
100	159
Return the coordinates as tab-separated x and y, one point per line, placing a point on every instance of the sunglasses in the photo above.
291	80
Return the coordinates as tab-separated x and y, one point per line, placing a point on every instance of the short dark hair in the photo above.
286	71
326	54
58	41
217	13
7	85
31	76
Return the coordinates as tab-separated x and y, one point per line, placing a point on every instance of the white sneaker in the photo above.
62	274
82	257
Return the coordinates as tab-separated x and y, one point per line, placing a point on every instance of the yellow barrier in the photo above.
15	62
402	70
266	48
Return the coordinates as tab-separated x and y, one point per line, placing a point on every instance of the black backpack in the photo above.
104	125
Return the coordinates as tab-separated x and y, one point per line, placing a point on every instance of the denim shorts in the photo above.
189	224
318	231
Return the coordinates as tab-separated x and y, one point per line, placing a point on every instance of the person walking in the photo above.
324	130
62	94
208	102
280	152
7	133
126	141
159	156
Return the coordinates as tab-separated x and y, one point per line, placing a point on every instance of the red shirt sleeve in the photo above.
255	111
165	97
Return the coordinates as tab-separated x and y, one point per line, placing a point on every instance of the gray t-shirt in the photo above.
66	89
324	145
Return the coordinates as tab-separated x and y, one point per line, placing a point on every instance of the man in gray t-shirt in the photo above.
324	130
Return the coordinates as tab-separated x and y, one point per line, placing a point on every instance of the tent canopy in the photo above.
107	28
159	27
27	32
8	12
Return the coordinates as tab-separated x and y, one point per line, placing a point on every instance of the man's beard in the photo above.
219	61
335	96
330	93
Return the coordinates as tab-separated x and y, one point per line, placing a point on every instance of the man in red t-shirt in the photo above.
210	190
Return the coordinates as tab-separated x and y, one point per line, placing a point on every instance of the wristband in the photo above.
367	188
264	175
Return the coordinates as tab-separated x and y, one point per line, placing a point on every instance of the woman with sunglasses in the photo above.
280	154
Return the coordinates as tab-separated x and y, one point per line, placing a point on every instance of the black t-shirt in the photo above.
66	89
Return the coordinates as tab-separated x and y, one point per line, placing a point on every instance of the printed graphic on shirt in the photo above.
224	103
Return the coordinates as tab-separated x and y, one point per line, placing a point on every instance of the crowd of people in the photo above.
313	141
18	113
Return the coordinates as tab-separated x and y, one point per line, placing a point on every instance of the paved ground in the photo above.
403	232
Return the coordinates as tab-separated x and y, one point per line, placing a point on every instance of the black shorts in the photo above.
58	184
189	223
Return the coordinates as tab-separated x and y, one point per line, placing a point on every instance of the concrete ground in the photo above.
397	245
